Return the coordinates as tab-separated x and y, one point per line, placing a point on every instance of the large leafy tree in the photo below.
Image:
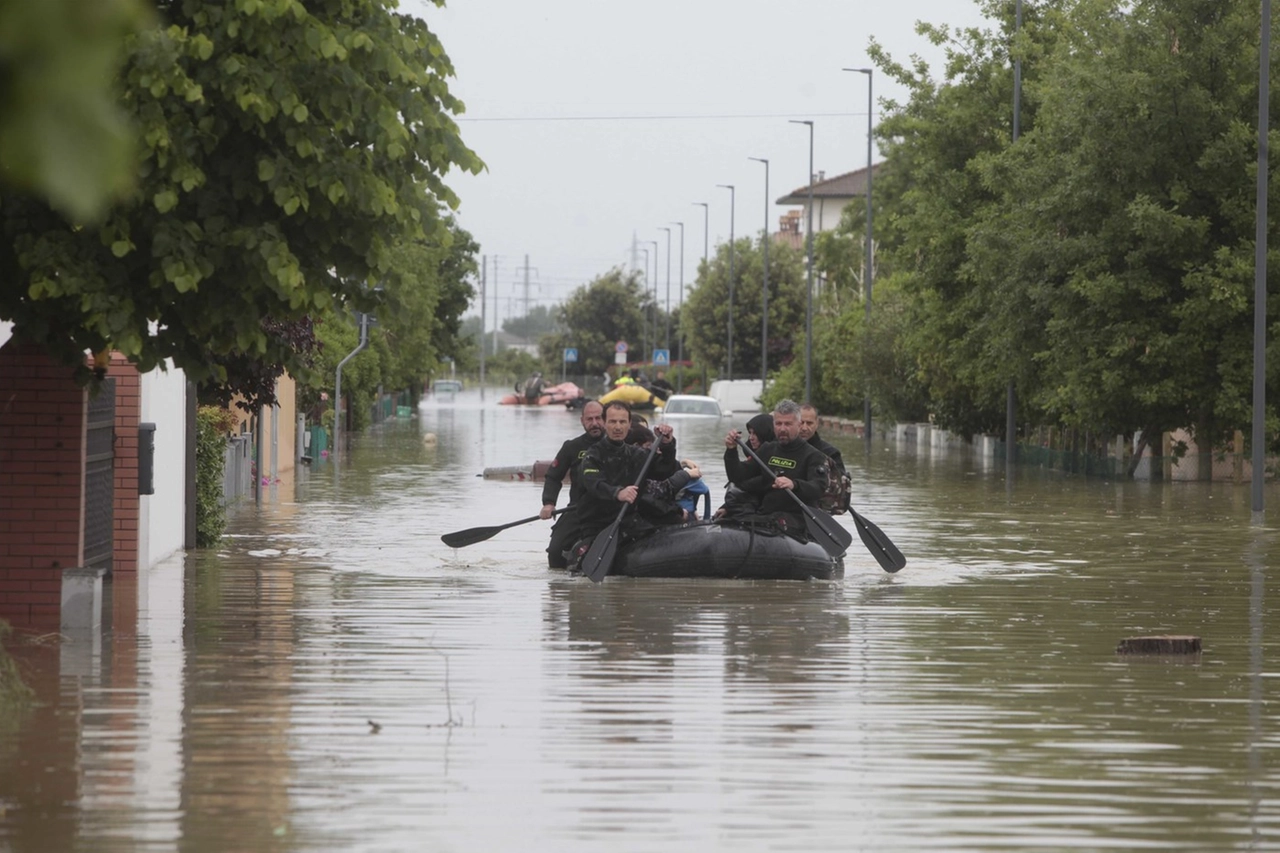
596	316
416	327
288	149
967	341
706	310
1140	233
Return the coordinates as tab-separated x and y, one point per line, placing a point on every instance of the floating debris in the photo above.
1165	644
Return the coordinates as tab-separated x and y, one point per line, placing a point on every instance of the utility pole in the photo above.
732	207
526	298
495	306
1011	396
484	269
525	270
764	248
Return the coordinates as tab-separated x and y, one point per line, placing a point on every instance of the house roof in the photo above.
847	186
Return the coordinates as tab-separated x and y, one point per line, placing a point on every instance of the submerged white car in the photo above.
691	405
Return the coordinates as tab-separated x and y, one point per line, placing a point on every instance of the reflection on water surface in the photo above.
333	678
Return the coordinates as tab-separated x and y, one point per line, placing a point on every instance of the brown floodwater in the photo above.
334	678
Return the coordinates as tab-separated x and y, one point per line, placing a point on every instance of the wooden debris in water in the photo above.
1165	644
537	471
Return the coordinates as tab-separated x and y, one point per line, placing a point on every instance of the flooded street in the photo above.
335	678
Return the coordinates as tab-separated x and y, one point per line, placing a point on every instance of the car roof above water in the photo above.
695	405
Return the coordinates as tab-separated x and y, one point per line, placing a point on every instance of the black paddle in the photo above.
880	546
599	557
823	529
471	536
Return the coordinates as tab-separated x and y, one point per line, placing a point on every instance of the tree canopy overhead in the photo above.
286	150
63	134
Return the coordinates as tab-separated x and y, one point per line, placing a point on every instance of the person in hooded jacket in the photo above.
736	501
759	431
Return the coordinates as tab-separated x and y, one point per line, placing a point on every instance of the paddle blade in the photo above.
599	557
463	538
880	545
834	538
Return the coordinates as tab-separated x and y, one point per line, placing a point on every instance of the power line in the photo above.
703	117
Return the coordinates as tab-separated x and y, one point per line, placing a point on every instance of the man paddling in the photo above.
796	466
611	467
567	462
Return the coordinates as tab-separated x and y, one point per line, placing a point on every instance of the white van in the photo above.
737	395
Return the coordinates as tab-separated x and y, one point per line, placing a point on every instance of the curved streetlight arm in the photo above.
764	266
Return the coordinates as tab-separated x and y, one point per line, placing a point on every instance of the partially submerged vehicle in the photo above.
446	386
691	406
738	395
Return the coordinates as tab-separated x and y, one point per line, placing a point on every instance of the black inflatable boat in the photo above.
719	551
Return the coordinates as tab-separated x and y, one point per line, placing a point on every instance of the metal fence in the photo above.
237	469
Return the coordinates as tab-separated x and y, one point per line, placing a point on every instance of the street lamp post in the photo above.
706	229
653	322
1258	429
866	267
666	344
808	316
645	342
732	207
764	266
680	301
644	326
706	246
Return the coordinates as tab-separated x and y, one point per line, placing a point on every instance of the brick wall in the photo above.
42	428
127	506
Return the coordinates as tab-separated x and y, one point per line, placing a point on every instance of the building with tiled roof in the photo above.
830	197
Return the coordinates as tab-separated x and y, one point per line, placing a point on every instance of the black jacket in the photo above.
829	449
609	467
567	463
797	460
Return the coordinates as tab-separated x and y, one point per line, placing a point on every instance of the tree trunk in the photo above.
1143	444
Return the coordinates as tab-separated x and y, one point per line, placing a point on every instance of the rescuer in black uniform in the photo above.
611	467
835	499
797	466
809	432
567	463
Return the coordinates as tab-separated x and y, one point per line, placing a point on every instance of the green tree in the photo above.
416	327
596	316
966	342
419	322
706	309
541	320
287	149
1139	233
63	135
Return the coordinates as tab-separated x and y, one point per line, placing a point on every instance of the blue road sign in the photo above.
661	358
620	346
570	353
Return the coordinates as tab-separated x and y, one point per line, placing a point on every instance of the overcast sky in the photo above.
603	119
